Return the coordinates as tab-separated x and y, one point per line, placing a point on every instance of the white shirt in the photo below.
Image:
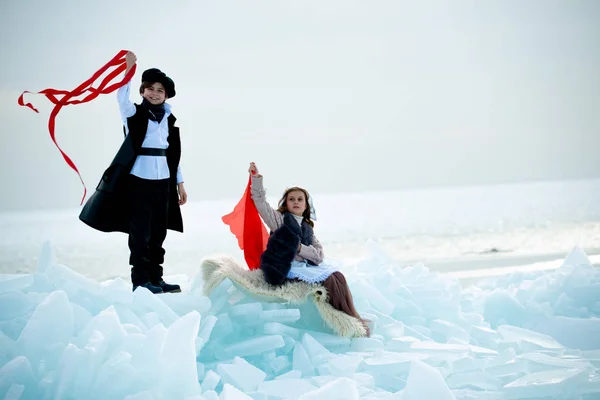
148	167
298	218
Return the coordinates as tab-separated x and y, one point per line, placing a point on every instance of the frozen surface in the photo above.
521	336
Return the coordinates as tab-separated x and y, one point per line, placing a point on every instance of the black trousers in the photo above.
149	201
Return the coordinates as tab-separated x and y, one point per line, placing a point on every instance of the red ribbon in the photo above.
118	62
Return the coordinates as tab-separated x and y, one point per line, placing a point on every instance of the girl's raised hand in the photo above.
252	170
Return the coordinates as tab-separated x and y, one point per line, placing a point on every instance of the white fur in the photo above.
217	269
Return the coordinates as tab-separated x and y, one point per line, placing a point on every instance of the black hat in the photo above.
156	75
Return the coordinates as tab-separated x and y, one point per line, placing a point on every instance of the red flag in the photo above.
245	223
118	62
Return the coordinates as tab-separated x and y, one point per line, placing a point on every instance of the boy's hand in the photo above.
130	60
182	194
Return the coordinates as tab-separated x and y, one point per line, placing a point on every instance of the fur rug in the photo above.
217	269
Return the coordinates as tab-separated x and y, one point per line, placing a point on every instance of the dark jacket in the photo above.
276	260
107	210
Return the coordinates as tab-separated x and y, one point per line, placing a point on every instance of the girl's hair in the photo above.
283	203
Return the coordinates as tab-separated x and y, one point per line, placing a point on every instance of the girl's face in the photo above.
296	202
155	94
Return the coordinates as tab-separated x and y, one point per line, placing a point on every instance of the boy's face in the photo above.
155	94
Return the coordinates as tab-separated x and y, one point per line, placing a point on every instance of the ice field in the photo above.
521	336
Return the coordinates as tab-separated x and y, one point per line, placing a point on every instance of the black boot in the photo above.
140	277
152	288
155	274
166	287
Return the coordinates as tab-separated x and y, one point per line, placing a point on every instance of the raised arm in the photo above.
126	106
271	217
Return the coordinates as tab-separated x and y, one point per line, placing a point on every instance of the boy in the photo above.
140	193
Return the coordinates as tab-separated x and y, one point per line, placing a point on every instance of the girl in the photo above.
294	215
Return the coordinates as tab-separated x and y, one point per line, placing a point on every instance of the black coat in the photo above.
107	210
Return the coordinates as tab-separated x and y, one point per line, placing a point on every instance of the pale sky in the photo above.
334	95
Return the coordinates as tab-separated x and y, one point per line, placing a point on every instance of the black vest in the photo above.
307	234
138	126
307	237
